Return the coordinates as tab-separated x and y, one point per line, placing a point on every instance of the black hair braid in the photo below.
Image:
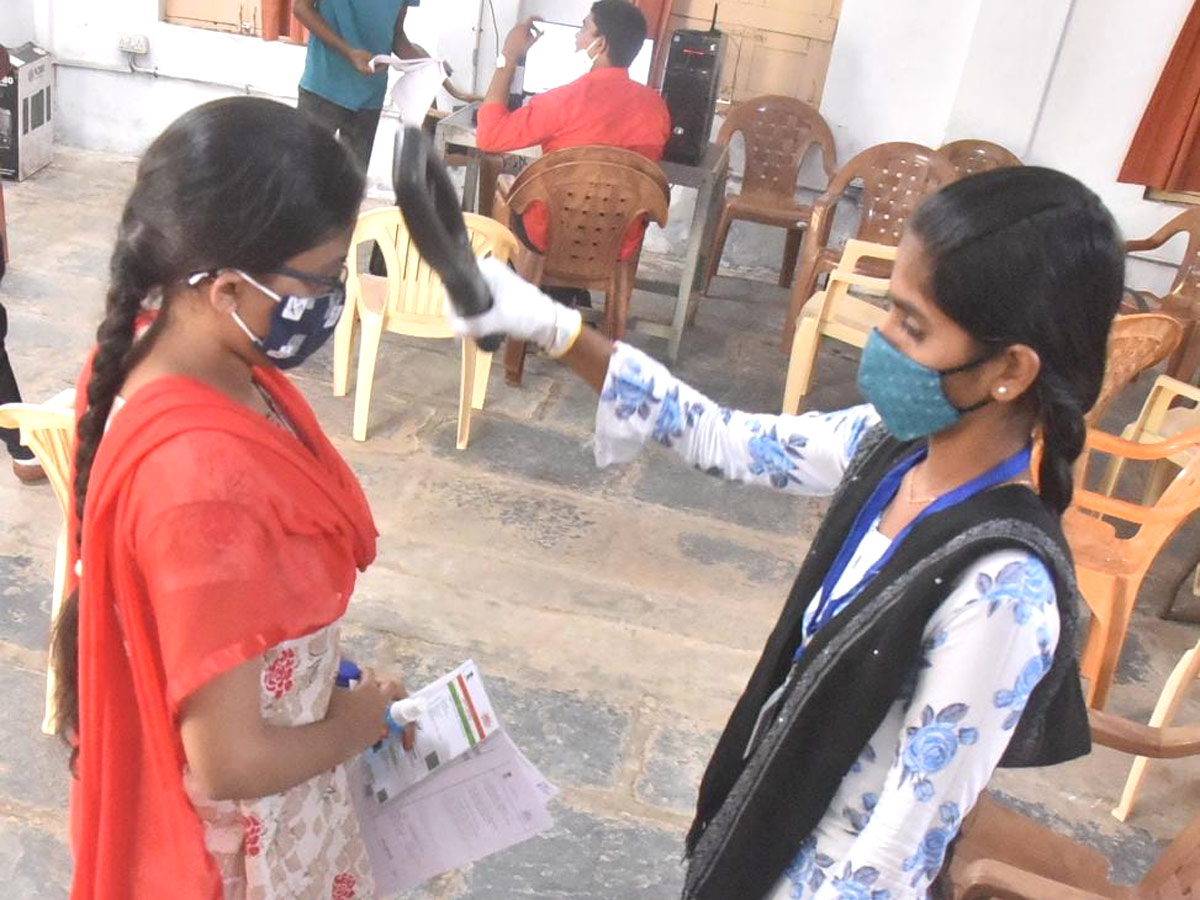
129	284
1063	435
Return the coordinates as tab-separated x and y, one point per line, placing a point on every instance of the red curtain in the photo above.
279	24
1165	152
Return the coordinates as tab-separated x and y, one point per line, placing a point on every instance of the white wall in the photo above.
16	22
1063	83
122	112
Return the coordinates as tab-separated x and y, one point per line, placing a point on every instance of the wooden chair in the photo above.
49	431
778	133
972	156
593	196
1182	301
1110	568
895	178
1002	854
834	313
408	300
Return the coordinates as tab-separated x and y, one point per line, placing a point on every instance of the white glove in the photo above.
520	311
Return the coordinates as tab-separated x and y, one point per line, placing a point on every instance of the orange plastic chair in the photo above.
1110	568
408	300
971	156
1171	408
1182	301
593	196
1002	854
49	431
778	133
895	178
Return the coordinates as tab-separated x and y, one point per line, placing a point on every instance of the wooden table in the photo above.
456	133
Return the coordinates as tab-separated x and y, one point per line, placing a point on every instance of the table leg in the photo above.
691	264
471	185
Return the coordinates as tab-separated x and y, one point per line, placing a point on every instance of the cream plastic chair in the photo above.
834	313
1169	701
49	431
408	301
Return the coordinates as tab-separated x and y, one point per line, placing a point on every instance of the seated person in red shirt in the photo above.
603	106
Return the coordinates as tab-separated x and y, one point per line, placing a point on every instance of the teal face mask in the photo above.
907	395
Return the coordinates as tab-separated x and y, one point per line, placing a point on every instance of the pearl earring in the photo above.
1002	390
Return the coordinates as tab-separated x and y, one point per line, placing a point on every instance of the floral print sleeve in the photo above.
642	401
985	649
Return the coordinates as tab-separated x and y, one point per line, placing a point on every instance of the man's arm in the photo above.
310	18
401	45
523	36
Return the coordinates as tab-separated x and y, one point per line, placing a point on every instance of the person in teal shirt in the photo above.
340	88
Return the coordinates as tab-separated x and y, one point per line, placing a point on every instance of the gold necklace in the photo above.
915	501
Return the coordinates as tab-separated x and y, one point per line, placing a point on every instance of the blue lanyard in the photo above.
883	494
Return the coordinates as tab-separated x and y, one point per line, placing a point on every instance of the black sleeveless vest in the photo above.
753	814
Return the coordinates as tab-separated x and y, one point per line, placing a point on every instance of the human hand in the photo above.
361	710
520	311
361	60
523	36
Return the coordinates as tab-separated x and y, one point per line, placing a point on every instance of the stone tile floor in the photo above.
615	613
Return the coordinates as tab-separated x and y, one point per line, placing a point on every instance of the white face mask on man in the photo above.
582	60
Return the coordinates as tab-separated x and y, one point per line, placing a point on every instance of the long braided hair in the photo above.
239	183
1030	256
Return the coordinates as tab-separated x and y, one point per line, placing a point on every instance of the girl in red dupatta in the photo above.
219	532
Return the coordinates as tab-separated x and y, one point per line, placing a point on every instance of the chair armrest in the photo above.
1102	442
988	878
1156	240
1136	739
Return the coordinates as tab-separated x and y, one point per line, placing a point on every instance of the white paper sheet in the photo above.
484	802
458	716
416	87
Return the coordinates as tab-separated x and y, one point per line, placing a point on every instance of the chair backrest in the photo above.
1135	344
592	198
1187	278
779	132
415	295
895	178
49	431
971	156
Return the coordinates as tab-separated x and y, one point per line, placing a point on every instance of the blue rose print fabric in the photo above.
886	832
642	402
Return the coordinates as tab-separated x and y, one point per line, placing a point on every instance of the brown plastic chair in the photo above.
1110	567
895	178
779	132
1182	301
1135	343
1002	854
593	195
971	156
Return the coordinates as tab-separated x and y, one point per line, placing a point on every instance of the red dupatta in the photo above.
143	650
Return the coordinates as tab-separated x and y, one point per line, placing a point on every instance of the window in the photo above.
239	16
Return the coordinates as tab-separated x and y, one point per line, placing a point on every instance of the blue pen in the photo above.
398	714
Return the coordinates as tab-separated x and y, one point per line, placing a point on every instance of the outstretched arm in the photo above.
642	402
